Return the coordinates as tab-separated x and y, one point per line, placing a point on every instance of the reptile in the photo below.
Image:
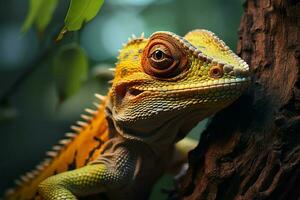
162	87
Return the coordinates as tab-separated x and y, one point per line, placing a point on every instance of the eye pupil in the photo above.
158	55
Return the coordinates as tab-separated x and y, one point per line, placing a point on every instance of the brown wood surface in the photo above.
251	150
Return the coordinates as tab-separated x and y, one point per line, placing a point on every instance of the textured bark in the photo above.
251	150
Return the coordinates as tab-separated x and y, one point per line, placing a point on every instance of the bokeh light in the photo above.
104	35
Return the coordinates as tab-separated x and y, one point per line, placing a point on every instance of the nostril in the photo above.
216	72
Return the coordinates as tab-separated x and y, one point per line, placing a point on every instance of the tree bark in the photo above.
251	150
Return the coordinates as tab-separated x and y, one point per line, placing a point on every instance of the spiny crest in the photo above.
113	70
56	149
134	39
131	41
129	58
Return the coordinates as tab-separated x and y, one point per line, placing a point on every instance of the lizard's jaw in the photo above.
138	103
223	86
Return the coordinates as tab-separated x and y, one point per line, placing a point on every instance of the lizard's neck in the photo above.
159	135
158	139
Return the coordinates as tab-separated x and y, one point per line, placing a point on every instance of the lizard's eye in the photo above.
160	57
163	58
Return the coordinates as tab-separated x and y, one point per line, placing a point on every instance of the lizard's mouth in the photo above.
237	84
213	91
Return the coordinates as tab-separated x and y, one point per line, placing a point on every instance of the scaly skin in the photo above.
163	86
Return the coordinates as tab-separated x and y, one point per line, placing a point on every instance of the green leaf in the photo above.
40	13
34	7
45	14
80	12
70	70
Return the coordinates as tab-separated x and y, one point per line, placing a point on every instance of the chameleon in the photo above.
162	87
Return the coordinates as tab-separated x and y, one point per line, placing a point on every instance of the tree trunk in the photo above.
251	150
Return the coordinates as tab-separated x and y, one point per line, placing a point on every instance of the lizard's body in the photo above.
163	86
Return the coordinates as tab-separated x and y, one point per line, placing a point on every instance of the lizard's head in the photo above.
168	81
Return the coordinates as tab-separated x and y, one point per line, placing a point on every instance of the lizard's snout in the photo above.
241	72
236	71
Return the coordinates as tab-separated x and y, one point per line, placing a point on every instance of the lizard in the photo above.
163	86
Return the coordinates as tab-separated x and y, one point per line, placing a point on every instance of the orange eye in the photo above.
162	57
216	72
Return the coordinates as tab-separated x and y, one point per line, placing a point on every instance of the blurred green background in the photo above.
34	118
